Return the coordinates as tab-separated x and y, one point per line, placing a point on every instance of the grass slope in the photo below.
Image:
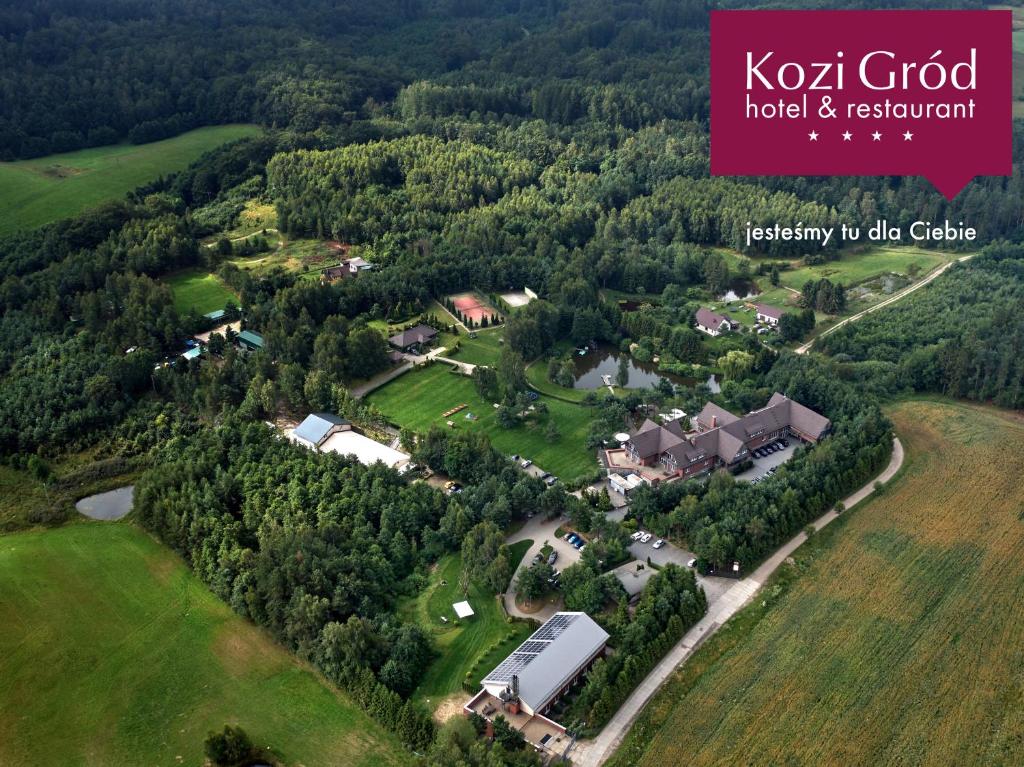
464	647
196	290
46	189
417	400
113	653
894	640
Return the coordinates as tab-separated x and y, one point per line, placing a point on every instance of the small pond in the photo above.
740	290
604	361
108	506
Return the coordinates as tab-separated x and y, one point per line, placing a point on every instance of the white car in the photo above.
636	536
691	563
645	537
658	543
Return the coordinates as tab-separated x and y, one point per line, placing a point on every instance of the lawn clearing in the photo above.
112	652
198	291
46	189
460	647
419	399
485	349
895	640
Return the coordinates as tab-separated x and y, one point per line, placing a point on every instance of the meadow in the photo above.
112	653
418	399
47	189
196	290
465	646
895	636
852	269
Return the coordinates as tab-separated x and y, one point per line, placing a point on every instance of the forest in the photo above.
458	144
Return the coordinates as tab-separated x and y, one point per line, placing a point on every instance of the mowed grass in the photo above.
113	653
485	349
461	648
196	290
418	399
897	639
47	189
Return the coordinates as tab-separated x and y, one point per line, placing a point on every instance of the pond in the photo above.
604	361
108	506
740	290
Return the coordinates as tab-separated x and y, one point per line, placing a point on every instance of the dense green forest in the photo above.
459	144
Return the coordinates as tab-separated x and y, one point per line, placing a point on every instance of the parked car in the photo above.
537	557
545	475
526	463
552	557
572	538
550	480
579	544
692	563
658	543
582	547
515	457
452	487
636	536
645	537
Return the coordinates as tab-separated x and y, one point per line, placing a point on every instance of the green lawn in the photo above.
466	647
199	291
485	349
417	400
46	189
113	653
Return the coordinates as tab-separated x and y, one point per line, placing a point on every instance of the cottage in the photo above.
769	315
349	267
317	427
711	323
414	338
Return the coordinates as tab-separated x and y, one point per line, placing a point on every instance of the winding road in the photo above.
882	304
593	753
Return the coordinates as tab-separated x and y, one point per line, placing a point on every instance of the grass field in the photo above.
464	647
853	269
113	653
37	192
485	349
417	400
199	291
896	637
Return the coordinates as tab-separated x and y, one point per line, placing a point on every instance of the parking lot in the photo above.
761	465
713	587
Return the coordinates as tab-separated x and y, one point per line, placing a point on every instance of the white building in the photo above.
328	433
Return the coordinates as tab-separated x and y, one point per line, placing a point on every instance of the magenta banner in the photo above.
862	93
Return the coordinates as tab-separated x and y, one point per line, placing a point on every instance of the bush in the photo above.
230	747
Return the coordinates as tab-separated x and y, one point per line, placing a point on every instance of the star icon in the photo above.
847	136
908	136
813	135
876	136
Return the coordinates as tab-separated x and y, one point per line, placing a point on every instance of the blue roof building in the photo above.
250	341
219	314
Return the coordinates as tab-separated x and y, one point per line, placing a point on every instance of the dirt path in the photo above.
882	304
593	753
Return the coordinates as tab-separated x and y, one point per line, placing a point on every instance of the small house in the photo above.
769	315
249	341
712	323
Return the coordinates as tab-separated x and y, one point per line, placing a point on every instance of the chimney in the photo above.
714	421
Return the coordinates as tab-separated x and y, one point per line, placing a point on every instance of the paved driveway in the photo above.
540	531
713	587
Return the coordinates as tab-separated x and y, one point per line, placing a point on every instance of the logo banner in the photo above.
862	93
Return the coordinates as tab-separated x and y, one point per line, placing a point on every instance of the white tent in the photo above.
462	609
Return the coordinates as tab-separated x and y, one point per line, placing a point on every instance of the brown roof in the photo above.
652	439
799	416
708	319
769	311
713	416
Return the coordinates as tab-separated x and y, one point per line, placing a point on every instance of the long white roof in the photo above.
551	656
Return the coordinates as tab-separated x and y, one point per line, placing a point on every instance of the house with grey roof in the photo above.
414	338
317	427
525	685
768	314
712	323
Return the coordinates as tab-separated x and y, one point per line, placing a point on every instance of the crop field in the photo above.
196	290
113	653
418	399
46	189
461	648
896	637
